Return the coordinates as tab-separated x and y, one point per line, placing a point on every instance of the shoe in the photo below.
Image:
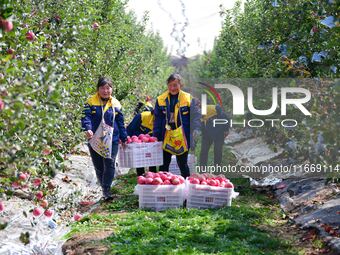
107	195
107	198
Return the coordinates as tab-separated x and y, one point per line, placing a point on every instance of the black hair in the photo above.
174	76
102	81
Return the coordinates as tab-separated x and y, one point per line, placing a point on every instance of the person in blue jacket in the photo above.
98	103
144	106
142	123
213	135
172	101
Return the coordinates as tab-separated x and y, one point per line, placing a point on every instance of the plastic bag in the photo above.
101	142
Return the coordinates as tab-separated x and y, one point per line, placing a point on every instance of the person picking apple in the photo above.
98	108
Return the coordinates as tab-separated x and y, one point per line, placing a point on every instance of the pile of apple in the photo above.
160	178
141	139
211	180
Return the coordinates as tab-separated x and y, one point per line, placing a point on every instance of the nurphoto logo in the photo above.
238	99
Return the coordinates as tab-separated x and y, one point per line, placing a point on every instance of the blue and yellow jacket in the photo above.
190	114
142	123
92	116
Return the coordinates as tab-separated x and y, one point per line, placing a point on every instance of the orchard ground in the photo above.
254	224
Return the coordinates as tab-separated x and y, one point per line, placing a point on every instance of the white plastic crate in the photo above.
160	197
140	155
174	169
205	196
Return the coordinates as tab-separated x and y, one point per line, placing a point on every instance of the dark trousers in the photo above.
182	162
105	168
141	170
207	140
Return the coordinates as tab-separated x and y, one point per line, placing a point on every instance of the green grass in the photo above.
238	229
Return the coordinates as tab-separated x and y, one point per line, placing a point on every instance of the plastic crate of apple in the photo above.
141	139
160	178
209	191
211	180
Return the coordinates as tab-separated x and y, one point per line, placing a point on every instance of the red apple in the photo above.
10	51
175	181
194	181
145	139
157	181
2	206
149	175
141	180
204	183
147	135
48	213
95	26
6	25
77	217
37	212
148	180
37	182
229	185
181	179
219	178
173	177
39	195
201	178
164	177
211	182
30	36
22	176
166	182
152	140
2	105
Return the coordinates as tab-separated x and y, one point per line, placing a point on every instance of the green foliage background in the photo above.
252	45
45	82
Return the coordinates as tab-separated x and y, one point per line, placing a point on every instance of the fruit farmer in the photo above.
213	135
142	123
144	106
172	123
103	103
